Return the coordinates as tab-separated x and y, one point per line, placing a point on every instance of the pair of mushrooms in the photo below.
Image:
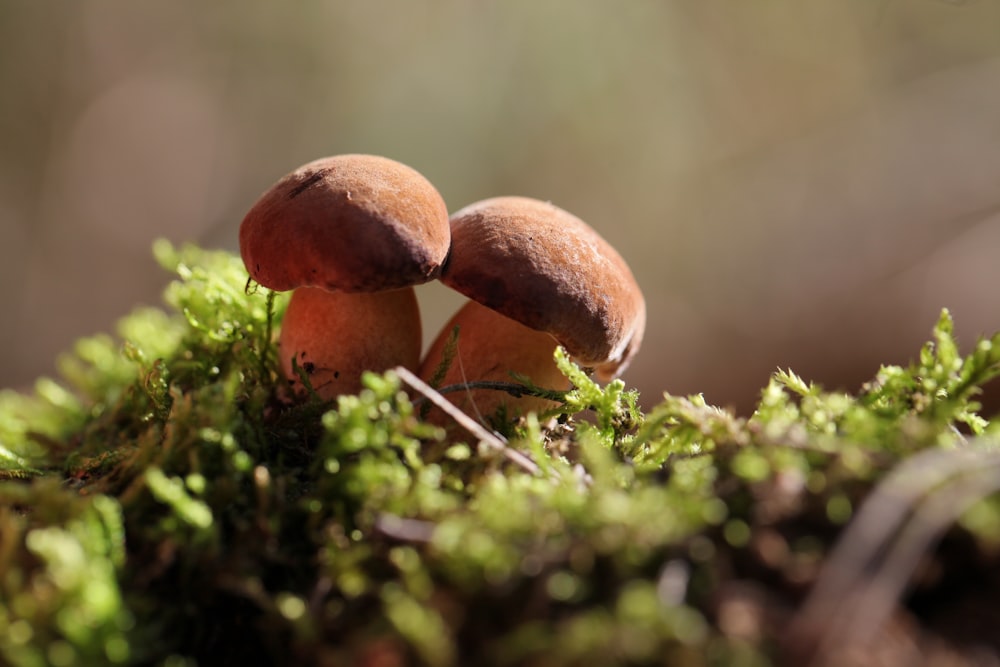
352	235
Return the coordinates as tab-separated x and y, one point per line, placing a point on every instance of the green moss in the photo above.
163	504
60	585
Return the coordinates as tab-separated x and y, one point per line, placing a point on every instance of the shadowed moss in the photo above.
164	502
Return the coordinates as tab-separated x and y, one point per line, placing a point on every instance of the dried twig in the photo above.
465	421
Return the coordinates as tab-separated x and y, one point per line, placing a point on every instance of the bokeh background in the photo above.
796	184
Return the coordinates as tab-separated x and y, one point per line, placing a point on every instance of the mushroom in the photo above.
537	277
351	234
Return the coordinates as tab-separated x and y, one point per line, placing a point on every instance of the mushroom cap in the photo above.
547	269
355	223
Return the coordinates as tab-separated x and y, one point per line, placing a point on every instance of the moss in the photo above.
162	504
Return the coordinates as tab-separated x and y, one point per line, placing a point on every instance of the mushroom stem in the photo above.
490	347
335	336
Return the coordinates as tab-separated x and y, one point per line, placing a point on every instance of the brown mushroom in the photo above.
537	277
350	234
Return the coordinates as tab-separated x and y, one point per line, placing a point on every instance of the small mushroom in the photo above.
351	234
537	276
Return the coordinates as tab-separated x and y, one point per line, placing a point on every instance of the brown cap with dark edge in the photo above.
355	223
545	268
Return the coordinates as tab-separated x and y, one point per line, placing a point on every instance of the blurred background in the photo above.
795	184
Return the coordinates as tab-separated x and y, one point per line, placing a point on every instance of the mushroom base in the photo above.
490	347
334	337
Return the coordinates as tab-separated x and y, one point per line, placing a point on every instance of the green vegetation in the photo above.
162	504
